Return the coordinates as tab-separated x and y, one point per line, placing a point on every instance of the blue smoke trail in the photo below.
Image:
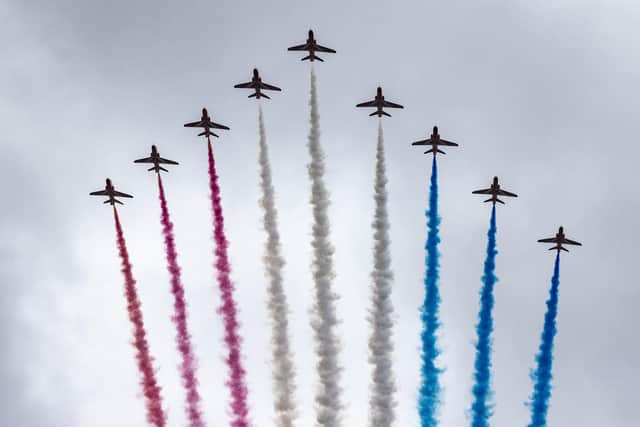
429	398
481	408
542	375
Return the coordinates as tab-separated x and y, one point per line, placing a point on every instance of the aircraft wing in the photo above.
391	104
549	240
299	47
423	142
119	194
248	85
167	161
486	191
145	160
571	242
367	104
193	124
447	143
507	193
324	49
99	193
269	87
218	126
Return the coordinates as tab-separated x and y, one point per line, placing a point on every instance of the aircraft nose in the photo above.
435	129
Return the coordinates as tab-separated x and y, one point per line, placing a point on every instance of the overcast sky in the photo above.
542	94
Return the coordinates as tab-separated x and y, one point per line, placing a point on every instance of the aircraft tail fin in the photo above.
437	150
558	248
205	133
311	57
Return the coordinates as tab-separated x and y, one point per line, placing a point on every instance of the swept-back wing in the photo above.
391	104
119	194
423	142
269	87
507	193
486	191
248	85
145	160
194	124
447	143
218	126
571	242
167	161
367	104
299	47
99	193
324	49
549	240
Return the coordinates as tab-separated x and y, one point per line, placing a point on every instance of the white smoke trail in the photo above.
328	393
381	403
283	371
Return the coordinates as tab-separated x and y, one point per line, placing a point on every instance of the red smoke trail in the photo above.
183	339
236	382
155	414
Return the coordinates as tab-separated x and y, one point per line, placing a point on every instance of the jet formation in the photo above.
379	103
435	141
495	191
156	160
560	240
257	85
111	193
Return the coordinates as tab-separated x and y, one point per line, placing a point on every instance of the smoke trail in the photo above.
150	387
480	408
236	381
429	399
542	375
283	371
328	394
183	339
382	403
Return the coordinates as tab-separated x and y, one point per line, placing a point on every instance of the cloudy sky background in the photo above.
542	95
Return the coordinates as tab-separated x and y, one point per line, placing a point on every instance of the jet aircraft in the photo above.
206	123
560	240
495	191
312	47
379	103
156	160
111	193
434	141
257	84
